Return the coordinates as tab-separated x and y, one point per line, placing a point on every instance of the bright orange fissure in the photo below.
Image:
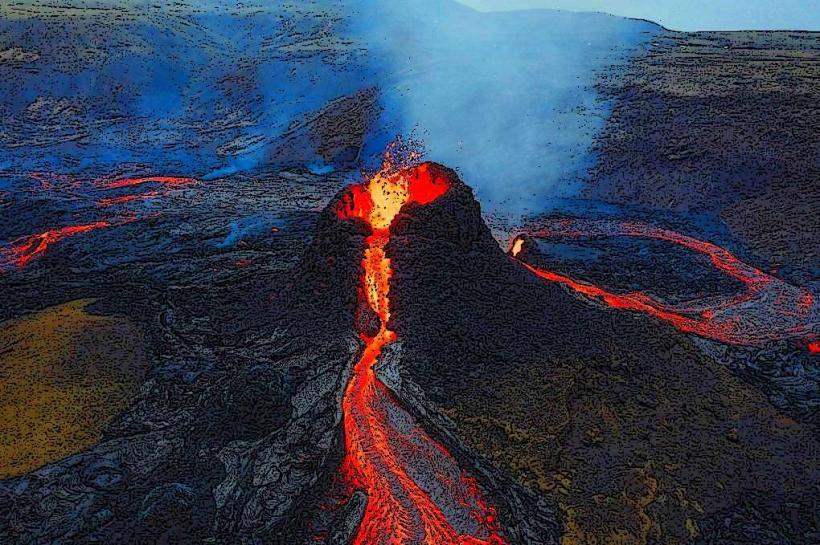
410	479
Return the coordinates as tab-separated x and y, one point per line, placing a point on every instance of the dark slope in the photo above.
726	124
620	419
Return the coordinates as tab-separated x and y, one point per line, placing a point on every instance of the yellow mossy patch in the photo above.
619	520
64	373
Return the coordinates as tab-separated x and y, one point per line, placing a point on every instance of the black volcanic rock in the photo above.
549	400
618	417
320	300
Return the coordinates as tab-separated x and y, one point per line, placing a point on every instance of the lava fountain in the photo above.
416	492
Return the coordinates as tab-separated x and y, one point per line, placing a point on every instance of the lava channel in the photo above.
769	309
26	248
171	181
416	492
168	182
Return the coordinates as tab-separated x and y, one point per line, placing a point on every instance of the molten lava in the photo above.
172	181
26	248
22	251
168	182
518	244
111	201
769	309
416	492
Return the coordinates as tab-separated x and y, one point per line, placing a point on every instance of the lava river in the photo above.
416	492
769	309
23	250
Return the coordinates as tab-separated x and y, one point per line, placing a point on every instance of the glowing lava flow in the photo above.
416	492
768	310
111	201
21	251
169	182
173	181
29	247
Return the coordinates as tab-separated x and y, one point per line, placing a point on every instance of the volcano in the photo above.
414	383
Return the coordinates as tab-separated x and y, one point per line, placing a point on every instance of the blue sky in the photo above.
687	14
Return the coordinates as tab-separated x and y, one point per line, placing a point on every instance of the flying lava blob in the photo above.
769	309
417	494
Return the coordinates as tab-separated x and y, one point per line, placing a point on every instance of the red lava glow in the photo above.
49	181
111	201
172	181
517	245
416	492
169	183
767	310
378	201
814	347
26	248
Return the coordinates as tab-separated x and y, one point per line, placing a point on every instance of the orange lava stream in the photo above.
20	252
170	183
111	201
174	181
638	302
24	249
733	320
407	475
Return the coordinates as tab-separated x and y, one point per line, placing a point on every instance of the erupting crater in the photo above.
417	494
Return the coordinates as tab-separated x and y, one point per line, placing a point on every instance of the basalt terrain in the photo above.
721	124
412	378
234	309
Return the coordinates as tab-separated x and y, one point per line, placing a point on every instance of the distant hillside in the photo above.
723	125
219	87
